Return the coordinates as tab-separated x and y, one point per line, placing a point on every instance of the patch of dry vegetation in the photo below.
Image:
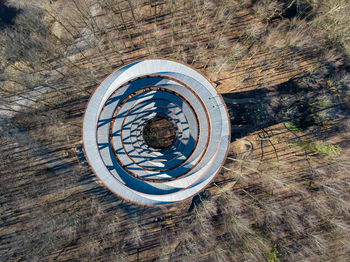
283	192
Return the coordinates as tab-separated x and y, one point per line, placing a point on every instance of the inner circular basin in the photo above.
159	133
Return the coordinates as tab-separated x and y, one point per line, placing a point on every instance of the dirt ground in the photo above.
285	179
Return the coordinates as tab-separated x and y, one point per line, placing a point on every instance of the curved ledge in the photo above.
119	109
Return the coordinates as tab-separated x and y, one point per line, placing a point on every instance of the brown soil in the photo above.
54	208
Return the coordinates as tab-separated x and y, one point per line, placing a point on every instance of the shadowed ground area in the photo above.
7	14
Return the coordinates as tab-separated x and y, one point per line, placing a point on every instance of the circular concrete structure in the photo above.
115	119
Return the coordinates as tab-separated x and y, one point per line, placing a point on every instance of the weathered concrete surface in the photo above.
121	107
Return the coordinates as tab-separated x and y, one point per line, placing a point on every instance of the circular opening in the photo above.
159	133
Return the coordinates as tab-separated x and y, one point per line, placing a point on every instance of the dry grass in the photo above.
283	198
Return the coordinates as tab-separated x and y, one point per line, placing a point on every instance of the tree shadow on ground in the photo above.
305	102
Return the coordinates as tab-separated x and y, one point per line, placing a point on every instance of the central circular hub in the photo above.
159	133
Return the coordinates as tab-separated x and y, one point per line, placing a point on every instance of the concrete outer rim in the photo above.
209	180
211	176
